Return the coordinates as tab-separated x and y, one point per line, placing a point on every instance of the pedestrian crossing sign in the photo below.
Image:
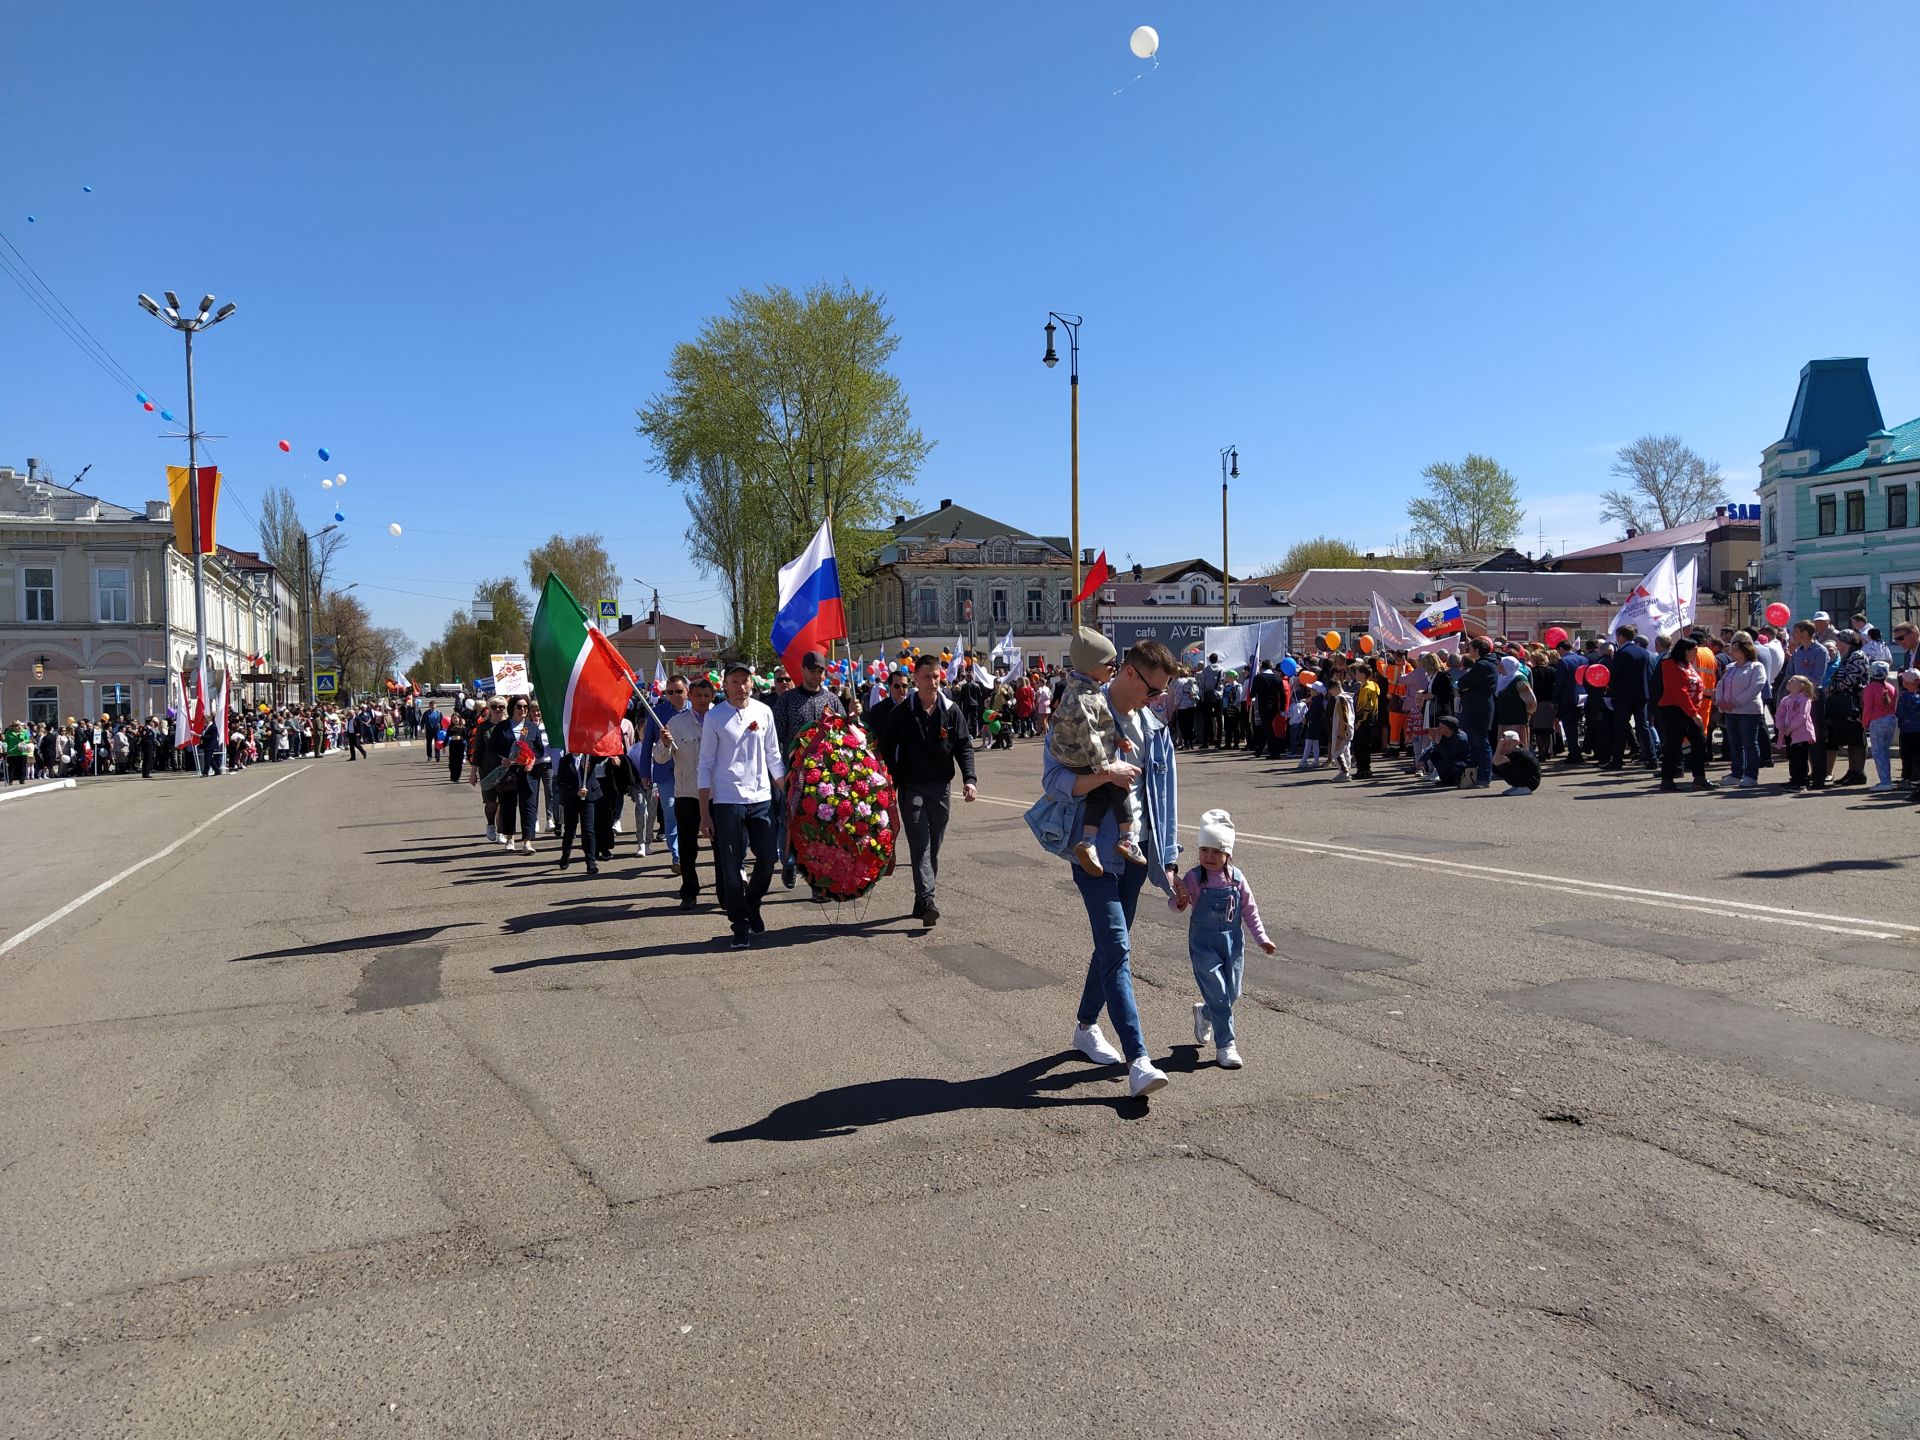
326	682
609	610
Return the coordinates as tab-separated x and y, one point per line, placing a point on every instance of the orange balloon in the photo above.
1331	639
1366	644
1307	677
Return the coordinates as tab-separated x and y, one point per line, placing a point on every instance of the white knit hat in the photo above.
1216	831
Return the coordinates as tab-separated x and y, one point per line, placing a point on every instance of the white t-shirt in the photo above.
1771	657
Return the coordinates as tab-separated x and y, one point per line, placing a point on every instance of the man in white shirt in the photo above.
739	761
683	743
1772	656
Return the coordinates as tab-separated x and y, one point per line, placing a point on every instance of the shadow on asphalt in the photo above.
1789	872
841	1111
772	940
384	941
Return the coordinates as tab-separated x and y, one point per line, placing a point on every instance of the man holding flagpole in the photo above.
809	620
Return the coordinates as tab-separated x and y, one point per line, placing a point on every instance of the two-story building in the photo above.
1840	503
1177	603
96	605
957	574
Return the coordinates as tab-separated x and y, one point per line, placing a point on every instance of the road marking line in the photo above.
106	885
1593	889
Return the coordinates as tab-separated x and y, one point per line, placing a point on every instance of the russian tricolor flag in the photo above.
1440	618
810	616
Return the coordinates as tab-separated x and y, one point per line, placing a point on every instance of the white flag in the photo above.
1391	630
1654	606
220	719
659	673
1687	584
953	668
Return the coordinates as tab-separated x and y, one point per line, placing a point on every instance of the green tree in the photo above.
781	412
581	562
1667	485
280	532
1322	552
1474	505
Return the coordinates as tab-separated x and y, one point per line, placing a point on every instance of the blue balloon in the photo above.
166	414
1289	667
31	220
324	454
140	397
87	188
338	518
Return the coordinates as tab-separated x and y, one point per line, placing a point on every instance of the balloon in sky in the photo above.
166	414
394	529
338	518
340	479
1145	42
325	454
147	406
88	189
32	221
140	396
285	447
326	484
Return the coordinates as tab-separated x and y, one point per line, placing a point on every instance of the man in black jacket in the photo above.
899	686
1631	690
925	736
1565	693
1477	687
1268	694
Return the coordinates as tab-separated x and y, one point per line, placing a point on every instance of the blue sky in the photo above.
1350	239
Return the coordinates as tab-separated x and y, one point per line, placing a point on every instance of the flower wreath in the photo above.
840	826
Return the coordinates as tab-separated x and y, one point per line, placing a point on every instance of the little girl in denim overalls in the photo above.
1219	903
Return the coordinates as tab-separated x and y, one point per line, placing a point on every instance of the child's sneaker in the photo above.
1227	1057
1085	857
1202	1027
1130	850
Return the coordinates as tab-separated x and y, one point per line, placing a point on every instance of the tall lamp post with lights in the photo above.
188	328
1229	456
1051	359
308	599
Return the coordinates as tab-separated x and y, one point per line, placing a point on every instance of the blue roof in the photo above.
1834	409
1905	449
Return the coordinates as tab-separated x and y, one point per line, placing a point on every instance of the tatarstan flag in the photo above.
581	682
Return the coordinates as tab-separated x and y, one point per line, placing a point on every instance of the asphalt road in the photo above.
1595	1113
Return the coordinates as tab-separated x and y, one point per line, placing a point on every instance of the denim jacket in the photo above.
1155	793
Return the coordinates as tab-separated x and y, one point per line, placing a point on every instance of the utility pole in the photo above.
1229	454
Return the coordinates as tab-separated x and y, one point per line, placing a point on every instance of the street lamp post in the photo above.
1051	359
188	328
1502	598
1229	455
653	619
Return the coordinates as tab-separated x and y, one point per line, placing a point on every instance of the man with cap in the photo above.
795	707
925	736
1449	755
740	760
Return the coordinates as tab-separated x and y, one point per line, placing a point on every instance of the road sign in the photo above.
609	611
326	652
326	682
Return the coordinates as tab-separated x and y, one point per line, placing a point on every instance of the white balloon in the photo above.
394	529
339	479
326	484
1145	42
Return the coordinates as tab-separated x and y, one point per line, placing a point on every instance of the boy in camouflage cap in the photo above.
1084	738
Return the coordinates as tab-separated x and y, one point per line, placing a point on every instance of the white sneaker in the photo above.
616	827
492	834
526	847
506	840
1202	1026
1088	1040
1144	1077
1227	1057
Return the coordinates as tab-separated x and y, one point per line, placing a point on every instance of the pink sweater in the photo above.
1197	879
1795	718
1877	700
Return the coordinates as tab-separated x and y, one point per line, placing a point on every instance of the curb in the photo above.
14	792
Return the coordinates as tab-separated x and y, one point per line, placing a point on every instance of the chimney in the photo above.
33	467
1719	512
1631	532
899	522
160	510
946	504
1137	572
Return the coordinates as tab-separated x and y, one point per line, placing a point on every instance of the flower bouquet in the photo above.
839	824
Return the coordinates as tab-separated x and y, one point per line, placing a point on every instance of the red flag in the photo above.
1096	577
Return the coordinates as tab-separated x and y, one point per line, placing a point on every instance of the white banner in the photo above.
510	675
1243	647
1654	607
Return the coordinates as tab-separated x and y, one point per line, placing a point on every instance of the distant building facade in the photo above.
1177	603
96	605
1723	548
1536	601
1840	503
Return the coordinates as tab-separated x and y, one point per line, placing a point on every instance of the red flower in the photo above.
753	725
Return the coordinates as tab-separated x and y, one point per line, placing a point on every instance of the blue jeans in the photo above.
1480	753
1881	735
1111	900
1216	948
1743	745
736	830
669	822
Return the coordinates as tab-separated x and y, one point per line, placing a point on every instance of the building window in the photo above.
1856	511
1904	601
1828	509
1897	508
1034	605
117	700
1773	526
111	583
1199	596
37	582
998	551
1843	604
927	603
1066	607
963	603
43	705
999	600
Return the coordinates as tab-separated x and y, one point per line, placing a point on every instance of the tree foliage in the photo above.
780	412
1322	552
1667	485
465	649
581	562
1474	505
280	531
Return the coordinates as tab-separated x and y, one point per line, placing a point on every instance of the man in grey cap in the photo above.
793	711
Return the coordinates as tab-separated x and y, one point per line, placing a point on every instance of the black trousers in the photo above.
1677	725
356	747
577	817
456	753
1363	751
686	814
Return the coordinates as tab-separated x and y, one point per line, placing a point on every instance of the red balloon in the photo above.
1554	636
1778	614
148	407
285	447
1598	675
1580	675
